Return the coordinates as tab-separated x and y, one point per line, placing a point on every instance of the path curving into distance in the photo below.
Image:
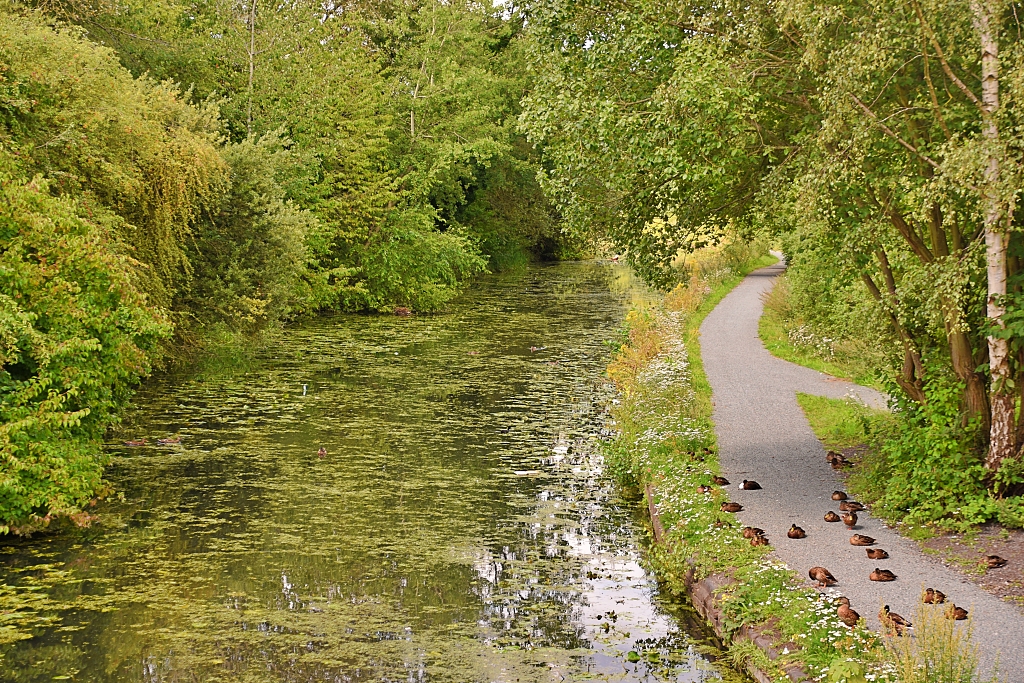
763	435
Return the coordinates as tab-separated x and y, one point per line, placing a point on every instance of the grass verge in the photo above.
786	337
666	440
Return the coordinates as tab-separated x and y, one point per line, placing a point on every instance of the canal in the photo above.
458	527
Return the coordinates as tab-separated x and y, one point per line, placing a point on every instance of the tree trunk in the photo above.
1002	400
252	63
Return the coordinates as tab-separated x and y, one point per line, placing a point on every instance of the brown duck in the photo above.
846	614
751	531
838	495
731	507
957	613
861	539
837	460
721	481
994	561
759	540
747	485
882	575
822	576
136	442
796	532
703	489
877	554
892	622
831	516
933	597
322	452
850	520
851	506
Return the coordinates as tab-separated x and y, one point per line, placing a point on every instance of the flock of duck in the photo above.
892	623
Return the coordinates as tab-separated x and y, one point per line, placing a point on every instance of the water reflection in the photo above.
459	527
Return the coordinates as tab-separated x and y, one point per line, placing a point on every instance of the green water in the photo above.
460	527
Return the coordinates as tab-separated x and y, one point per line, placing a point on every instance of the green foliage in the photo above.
76	334
131	149
249	253
408	263
939	652
820	323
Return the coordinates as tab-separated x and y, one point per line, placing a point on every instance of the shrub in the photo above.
249	255
75	336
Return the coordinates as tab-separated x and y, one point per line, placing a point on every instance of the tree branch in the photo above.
891	133
942	58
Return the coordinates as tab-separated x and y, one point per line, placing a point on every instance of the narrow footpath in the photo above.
763	435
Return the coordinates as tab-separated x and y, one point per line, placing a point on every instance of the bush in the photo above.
75	336
250	254
408	263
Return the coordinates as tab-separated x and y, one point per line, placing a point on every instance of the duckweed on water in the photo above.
412	551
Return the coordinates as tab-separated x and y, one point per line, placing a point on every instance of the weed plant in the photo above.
941	650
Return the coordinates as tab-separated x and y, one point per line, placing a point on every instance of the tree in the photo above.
850	127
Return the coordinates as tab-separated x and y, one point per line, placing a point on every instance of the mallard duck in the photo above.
838	495
721	481
169	441
721	524
837	460
861	539
892	622
136	442
747	485
796	532
731	507
703	489
851	506
957	613
822	576
933	597
751	531
831	517
759	540
882	575
846	614
877	554
322	452
850	520
994	561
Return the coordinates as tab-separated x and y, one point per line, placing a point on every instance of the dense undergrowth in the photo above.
666	440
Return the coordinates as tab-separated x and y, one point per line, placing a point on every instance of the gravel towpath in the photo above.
763	435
